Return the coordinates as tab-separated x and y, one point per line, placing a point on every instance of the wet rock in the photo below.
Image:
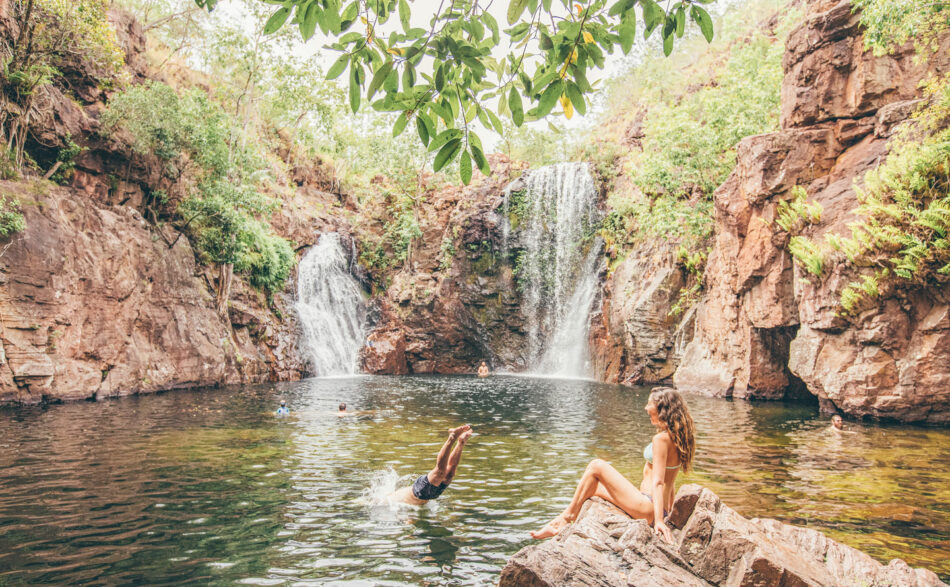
712	545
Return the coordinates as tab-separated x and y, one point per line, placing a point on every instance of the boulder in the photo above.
712	545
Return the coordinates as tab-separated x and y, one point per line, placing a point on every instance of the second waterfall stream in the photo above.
558	265
330	306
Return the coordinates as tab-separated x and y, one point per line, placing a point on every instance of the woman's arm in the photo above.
661	452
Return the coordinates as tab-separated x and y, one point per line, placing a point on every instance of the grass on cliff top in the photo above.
678	124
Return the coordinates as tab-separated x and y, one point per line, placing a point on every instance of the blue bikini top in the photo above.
648	455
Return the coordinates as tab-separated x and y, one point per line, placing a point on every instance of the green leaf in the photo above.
276	20
576	97
408	76
308	24
653	16
480	160
515	8
628	30
354	89
422	129
444	137
495	122
465	168
378	78
338	67
680	22
350	12
446	154
668	44
548	99
704	21
404	15
517	110
400	125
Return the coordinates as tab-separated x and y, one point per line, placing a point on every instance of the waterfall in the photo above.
556	267
329	304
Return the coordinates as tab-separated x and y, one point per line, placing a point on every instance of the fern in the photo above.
808	254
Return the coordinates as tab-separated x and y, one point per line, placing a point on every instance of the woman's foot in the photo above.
551	529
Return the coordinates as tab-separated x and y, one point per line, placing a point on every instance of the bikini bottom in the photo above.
666	513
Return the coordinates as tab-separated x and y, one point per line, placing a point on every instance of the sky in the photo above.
422	12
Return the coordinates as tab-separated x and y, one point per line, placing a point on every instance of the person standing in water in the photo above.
670	452
283	410
432	484
483	370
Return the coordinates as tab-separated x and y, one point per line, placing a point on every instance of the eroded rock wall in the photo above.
763	328
455	302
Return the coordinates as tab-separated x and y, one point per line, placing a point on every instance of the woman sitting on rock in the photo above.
670	452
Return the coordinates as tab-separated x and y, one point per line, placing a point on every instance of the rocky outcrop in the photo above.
712	545
94	304
454	302
763	329
100	296
636	337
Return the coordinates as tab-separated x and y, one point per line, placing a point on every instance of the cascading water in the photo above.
329	304
557	265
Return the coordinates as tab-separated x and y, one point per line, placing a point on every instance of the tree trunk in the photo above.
225	272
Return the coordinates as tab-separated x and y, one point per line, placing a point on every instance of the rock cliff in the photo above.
762	329
100	297
712	545
454	302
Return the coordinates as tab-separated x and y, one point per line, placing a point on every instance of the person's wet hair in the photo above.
342	407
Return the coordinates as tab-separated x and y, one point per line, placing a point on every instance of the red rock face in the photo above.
446	312
634	338
762	328
94	305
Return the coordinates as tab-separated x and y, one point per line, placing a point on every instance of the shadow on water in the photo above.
211	487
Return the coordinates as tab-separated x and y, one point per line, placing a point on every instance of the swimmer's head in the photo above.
342	407
283	403
837	422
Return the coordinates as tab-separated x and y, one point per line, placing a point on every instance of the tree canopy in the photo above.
444	77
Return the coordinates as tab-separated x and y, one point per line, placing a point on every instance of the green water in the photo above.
209	487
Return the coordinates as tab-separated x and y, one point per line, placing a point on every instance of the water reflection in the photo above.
210	487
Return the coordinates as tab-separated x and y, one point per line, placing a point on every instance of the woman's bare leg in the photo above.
604	481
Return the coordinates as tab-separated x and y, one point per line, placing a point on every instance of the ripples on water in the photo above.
210	487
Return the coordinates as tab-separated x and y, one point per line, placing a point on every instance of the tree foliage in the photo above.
889	24
443	78
50	33
224	212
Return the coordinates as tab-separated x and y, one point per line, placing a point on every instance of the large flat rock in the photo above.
713	545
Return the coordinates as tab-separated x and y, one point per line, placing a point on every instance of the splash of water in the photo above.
557	267
330	307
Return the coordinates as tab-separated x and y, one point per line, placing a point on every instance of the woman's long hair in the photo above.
672	411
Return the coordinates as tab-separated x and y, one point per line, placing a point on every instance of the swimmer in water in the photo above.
432	484
342	411
483	370
283	410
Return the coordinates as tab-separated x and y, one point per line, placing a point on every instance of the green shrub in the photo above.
11	220
223	210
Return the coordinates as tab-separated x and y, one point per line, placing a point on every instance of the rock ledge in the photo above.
713	545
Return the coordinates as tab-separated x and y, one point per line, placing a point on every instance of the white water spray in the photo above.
558	267
329	304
